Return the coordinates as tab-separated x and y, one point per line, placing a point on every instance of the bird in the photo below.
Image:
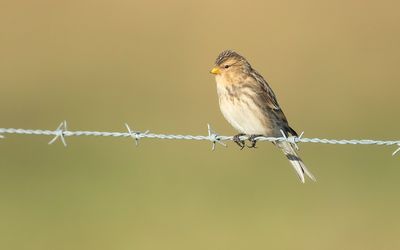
248	103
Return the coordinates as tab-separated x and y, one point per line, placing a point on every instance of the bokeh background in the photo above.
334	66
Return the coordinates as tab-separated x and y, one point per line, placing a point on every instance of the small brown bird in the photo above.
250	106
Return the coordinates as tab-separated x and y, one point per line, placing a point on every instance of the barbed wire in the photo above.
61	132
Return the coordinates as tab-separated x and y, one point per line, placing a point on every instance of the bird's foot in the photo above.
252	139
238	141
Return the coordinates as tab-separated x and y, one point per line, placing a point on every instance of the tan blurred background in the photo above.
99	64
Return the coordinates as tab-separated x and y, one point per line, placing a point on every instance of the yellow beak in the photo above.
215	71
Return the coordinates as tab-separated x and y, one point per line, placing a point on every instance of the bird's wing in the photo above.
270	95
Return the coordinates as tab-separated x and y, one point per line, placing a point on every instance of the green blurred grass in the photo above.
98	64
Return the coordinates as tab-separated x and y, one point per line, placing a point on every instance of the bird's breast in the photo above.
239	107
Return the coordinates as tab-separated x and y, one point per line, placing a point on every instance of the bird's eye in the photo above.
226	66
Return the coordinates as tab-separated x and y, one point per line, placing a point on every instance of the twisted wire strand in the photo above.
62	132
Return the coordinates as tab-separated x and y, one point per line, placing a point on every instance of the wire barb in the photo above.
136	135
214	138
293	139
397	150
60	133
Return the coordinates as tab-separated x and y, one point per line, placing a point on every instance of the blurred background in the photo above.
98	64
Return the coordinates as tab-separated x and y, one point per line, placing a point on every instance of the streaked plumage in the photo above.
250	106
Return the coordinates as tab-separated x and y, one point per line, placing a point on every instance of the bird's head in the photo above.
230	66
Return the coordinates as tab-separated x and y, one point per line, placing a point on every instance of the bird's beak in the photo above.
215	71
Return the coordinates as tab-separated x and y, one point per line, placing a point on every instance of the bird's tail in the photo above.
295	160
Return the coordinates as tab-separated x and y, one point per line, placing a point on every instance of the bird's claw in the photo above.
252	139
238	141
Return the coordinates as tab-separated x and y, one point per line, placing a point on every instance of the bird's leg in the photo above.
238	141
252	139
